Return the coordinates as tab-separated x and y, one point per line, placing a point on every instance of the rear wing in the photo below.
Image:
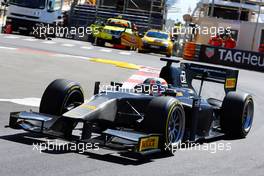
228	77
191	71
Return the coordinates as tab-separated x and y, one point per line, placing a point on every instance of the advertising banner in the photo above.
232	57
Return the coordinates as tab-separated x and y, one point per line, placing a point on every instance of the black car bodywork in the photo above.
141	123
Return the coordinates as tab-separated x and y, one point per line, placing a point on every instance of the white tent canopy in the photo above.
253	7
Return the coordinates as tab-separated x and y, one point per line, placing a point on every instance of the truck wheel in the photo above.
166	116
237	114
61	96
24	32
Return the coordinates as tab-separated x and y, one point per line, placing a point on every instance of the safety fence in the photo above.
84	15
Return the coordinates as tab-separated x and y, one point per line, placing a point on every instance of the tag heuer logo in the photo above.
210	52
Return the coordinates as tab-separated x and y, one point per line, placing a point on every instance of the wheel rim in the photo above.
74	99
248	116
175	127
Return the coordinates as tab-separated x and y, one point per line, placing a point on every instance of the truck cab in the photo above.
23	15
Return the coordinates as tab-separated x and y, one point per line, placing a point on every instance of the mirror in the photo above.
50	6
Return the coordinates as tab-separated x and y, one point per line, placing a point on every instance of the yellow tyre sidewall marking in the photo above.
168	119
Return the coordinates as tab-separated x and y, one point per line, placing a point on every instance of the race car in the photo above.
156	116
156	41
116	31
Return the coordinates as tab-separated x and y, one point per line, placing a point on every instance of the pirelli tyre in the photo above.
61	96
237	114
166	116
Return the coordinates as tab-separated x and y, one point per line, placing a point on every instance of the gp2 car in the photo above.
142	121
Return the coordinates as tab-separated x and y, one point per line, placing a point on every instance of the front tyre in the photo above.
237	114
61	96
166	116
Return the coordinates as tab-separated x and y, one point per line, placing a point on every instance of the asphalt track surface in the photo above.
26	72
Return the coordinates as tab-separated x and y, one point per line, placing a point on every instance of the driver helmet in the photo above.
155	86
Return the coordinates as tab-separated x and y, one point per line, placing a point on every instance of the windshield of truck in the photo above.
118	23
158	35
38	4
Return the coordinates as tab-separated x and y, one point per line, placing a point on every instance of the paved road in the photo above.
76	48
25	71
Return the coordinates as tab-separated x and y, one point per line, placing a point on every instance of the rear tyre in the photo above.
166	116
61	96
237	114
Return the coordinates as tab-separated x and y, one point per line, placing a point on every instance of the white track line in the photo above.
150	70
138	77
71	56
49	42
87	47
125	53
7	48
30	39
106	50
68	45
12	37
35	102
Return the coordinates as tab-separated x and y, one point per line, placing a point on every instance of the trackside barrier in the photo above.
84	15
249	60
191	51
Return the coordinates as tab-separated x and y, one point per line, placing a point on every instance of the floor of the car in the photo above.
215	102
